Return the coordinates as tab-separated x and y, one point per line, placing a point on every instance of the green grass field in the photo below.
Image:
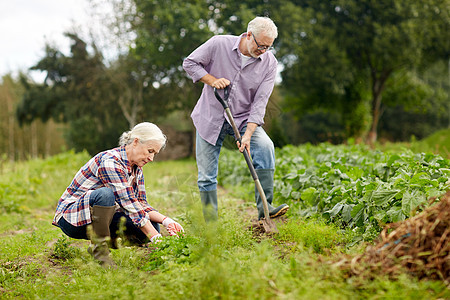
224	260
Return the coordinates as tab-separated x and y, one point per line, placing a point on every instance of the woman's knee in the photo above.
75	232
102	197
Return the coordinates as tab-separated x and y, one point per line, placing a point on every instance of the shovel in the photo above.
268	224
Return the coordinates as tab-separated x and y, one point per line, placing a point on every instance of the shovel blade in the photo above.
269	226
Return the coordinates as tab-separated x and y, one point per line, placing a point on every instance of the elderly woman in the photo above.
110	187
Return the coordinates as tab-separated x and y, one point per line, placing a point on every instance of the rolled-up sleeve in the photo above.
197	63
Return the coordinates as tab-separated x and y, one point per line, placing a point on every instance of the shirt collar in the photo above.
124	157
236	47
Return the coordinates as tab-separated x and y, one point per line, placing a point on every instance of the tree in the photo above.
97	100
346	51
76	90
34	140
403	118
338	56
153	38
7	99
166	32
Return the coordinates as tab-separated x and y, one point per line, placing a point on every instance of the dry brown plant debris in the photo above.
419	245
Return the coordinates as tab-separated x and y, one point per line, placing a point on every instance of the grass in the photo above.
438	143
313	235
222	260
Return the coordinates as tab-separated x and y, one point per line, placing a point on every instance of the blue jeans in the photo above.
262	152
105	197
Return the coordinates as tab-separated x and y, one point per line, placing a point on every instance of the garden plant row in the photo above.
351	185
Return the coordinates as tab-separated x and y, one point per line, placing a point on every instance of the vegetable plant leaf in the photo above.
381	197
411	200
309	195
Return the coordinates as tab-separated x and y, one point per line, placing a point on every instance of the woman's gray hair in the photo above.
263	25
144	132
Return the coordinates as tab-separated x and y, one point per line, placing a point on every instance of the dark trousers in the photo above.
120	221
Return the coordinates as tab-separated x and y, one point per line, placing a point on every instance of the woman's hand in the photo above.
172	227
156	238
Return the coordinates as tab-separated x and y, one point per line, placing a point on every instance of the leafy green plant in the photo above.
352	185
170	250
63	249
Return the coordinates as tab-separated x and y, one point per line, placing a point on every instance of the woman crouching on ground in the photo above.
110	187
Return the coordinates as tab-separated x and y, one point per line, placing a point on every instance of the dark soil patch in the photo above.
258	231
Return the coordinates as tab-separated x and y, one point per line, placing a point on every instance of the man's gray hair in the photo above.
263	25
144	132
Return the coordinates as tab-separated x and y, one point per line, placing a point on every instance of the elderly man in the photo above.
245	64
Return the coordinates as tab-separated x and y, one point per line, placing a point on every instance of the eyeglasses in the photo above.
261	47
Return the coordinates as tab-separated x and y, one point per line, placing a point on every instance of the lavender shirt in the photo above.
251	84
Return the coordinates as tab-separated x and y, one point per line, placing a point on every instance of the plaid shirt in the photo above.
107	169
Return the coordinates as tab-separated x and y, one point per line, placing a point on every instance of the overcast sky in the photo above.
26	25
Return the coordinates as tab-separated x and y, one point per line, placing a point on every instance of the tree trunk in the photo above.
378	86
48	139
376	106
11	124
34	140
131	104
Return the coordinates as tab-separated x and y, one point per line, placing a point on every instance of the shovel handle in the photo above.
237	134
246	154
226	94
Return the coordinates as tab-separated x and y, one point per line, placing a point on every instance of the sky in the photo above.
26	26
